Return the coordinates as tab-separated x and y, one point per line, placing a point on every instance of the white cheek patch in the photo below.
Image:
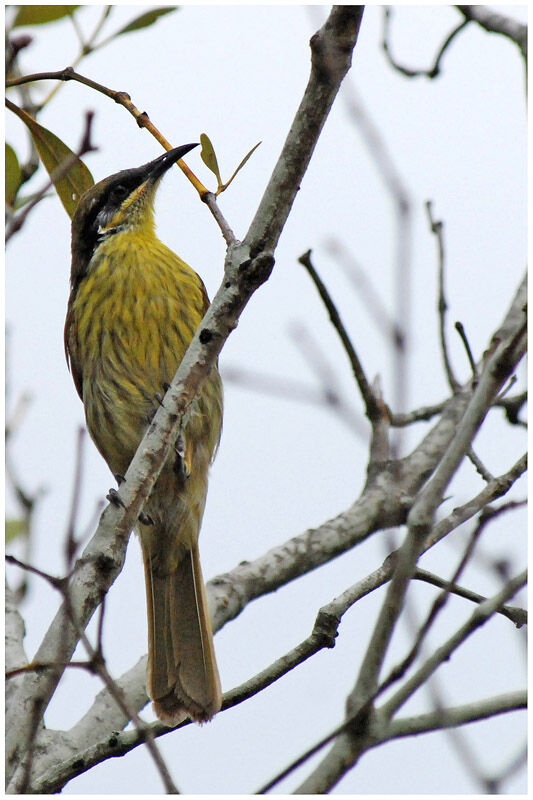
104	217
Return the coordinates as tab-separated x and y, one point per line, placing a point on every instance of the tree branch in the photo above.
436	228
517	615
353	742
493	22
501	359
372	408
481	614
456	715
248	265
408	72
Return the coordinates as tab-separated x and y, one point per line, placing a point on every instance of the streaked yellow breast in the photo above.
135	314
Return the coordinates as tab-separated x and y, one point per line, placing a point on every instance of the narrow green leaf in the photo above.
54	153
20	202
224	186
208	156
144	20
13	175
39	15
15	528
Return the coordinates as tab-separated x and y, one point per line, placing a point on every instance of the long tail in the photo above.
182	676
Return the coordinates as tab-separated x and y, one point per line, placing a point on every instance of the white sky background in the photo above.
238	73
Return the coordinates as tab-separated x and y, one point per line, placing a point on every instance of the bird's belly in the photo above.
135	356
134	316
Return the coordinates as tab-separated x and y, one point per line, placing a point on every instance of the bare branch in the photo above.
481	469
457	715
459	327
495	489
479	617
209	198
430	72
373	410
418	415
517	615
248	265
436	229
20	782
361	731
71	545
493	22
506	352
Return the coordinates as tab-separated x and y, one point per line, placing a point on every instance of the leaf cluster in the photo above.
69	183
66	170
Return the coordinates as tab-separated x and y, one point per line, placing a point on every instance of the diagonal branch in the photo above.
456	715
493	22
248	265
505	352
361	733
481	614
372	408
89	738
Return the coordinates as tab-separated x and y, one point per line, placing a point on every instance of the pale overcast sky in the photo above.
238	73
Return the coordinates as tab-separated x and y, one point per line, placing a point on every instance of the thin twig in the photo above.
355	722
517	615
409	72
481	469
143	121
479	617
459	327
36	666
492	491
373	410
443	718
17	220
370	298
417	415
438	604
436	229
209	198
97	666
493	22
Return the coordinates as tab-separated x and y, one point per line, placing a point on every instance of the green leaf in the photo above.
145	20
15	528
39	15
13	175
20	202
224	186
54	153
208	156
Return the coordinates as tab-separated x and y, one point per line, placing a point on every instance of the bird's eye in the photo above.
120	191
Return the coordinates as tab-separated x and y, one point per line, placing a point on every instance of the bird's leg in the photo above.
114	497
183	460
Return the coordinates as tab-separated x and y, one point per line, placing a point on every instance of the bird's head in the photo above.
120	202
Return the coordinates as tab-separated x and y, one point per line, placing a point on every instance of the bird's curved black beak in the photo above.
156	168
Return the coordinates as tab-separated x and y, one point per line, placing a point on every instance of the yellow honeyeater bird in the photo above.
134	307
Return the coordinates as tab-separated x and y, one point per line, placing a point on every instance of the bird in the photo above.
133	309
